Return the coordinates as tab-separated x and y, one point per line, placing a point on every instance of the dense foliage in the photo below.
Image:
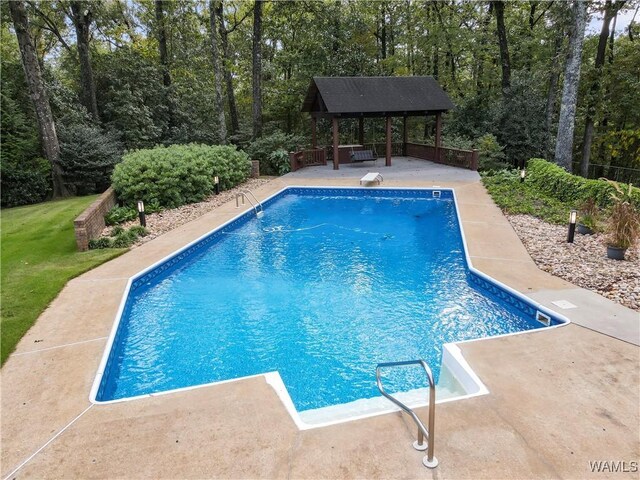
555	181
549	192
87	156
178	174
145	98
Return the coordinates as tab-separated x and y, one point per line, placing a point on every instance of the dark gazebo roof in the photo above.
375	96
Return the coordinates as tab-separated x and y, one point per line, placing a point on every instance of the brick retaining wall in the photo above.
91	222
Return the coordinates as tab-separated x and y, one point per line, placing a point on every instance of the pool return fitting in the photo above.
254	203
429	460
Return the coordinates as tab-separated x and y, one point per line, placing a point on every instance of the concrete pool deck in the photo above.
559	398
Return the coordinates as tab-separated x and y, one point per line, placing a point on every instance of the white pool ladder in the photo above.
248	194
429	460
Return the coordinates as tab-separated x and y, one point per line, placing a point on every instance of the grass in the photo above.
517	198
39	256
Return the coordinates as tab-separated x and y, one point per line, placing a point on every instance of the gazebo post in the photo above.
388	149
438	135
334	129
314	140
361	130
404	136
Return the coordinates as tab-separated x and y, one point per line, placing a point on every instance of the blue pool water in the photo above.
322	288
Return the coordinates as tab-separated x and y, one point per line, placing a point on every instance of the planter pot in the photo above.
615	253
584	230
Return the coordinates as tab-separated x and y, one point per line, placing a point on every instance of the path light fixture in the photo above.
523	173
216	185
143	219
572	225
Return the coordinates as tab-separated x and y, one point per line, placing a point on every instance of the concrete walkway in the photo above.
559	398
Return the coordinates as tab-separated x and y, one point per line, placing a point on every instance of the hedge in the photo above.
178	174
558	183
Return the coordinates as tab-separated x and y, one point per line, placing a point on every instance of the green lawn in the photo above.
38	257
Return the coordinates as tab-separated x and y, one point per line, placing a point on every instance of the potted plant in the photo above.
623	225
588	219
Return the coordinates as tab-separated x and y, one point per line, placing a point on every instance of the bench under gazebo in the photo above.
338	98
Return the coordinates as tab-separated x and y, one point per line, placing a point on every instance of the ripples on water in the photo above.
320	289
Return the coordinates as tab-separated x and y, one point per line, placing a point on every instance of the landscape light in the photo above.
522	175
143	219
216	184
573	216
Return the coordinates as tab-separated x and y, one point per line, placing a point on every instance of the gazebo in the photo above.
362	97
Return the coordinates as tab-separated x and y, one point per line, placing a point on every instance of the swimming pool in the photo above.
328	283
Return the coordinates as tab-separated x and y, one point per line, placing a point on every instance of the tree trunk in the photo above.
217	73
566	123
46	124
161	33
609	13
228	79
498	8
82	18
552	94
257	69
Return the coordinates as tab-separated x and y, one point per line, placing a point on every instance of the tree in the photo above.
217	72
81	16
161	33
226	60
610	11
257	69
505	62
566	123
39	96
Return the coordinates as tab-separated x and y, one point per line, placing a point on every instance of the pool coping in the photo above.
452	357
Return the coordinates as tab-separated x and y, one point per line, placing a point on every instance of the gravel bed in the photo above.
166	220
584	262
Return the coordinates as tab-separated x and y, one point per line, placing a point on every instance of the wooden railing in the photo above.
308	158
444	155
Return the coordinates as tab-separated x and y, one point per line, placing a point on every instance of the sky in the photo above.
623	21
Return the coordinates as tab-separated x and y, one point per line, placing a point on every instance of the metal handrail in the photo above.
429	460
245	194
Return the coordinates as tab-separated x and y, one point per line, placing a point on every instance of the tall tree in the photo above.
610	11
552	92
566	122
217	72
505	61
39	96
82	17
226	71
161	33
257	69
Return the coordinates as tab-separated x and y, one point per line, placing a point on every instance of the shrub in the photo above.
25	182
279	160
87	156
124	239
525	198
139	231
179	174
623	222
100	242
264	147
120	215
491	154
120	238
557	182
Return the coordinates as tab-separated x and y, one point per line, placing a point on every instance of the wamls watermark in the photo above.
613	466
